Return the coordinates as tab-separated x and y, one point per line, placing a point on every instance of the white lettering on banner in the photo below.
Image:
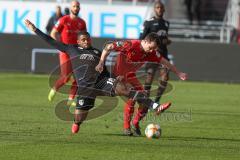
102	20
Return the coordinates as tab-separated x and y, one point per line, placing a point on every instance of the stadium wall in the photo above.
202	61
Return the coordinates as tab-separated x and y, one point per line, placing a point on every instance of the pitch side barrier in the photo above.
202	61
36	51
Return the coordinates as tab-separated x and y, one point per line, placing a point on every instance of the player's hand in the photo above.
30	25
99	67
183	76
120	78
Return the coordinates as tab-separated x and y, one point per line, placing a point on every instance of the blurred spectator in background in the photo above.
53	20
66	30
238	37
193	10
66	11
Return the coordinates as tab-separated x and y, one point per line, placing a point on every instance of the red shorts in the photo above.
132	79
65	64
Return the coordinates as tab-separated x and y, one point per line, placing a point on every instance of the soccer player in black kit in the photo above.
91	83
159	25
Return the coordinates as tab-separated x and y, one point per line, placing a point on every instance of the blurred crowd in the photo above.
197	11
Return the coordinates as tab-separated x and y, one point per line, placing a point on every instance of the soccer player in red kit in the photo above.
133	54
66	30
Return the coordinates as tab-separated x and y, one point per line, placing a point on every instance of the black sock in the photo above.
78	123
142	98
147	88
161	88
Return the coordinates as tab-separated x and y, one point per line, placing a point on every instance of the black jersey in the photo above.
159	26
83	63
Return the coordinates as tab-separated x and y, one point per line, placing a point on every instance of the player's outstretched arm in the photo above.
106	51
181	75
58	45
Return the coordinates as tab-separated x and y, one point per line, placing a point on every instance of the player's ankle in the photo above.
135	124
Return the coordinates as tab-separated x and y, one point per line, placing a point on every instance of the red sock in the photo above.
73	90
141	113
128	112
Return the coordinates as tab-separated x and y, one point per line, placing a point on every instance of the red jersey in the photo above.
69	28
132	57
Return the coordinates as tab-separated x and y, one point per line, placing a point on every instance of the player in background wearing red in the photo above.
133	54
66	30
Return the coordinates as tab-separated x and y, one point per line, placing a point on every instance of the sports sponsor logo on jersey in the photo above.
87	57
57	24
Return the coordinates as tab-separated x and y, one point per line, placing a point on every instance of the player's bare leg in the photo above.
79	116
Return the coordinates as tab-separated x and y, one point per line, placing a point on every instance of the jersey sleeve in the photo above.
145	30
122	46
58	45
156	57
59	25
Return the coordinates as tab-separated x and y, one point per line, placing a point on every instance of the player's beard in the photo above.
75	13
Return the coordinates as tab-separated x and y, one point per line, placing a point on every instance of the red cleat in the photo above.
162	107
75	128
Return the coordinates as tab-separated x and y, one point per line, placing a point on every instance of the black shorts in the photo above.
85	103
104	87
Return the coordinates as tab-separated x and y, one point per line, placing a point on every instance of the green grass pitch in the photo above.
202	124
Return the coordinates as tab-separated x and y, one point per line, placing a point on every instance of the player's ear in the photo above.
78	41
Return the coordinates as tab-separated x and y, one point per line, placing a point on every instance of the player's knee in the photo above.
121	89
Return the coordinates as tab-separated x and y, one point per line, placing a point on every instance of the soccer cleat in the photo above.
127	132
162	108
136	131
51	94
75	128
71	103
